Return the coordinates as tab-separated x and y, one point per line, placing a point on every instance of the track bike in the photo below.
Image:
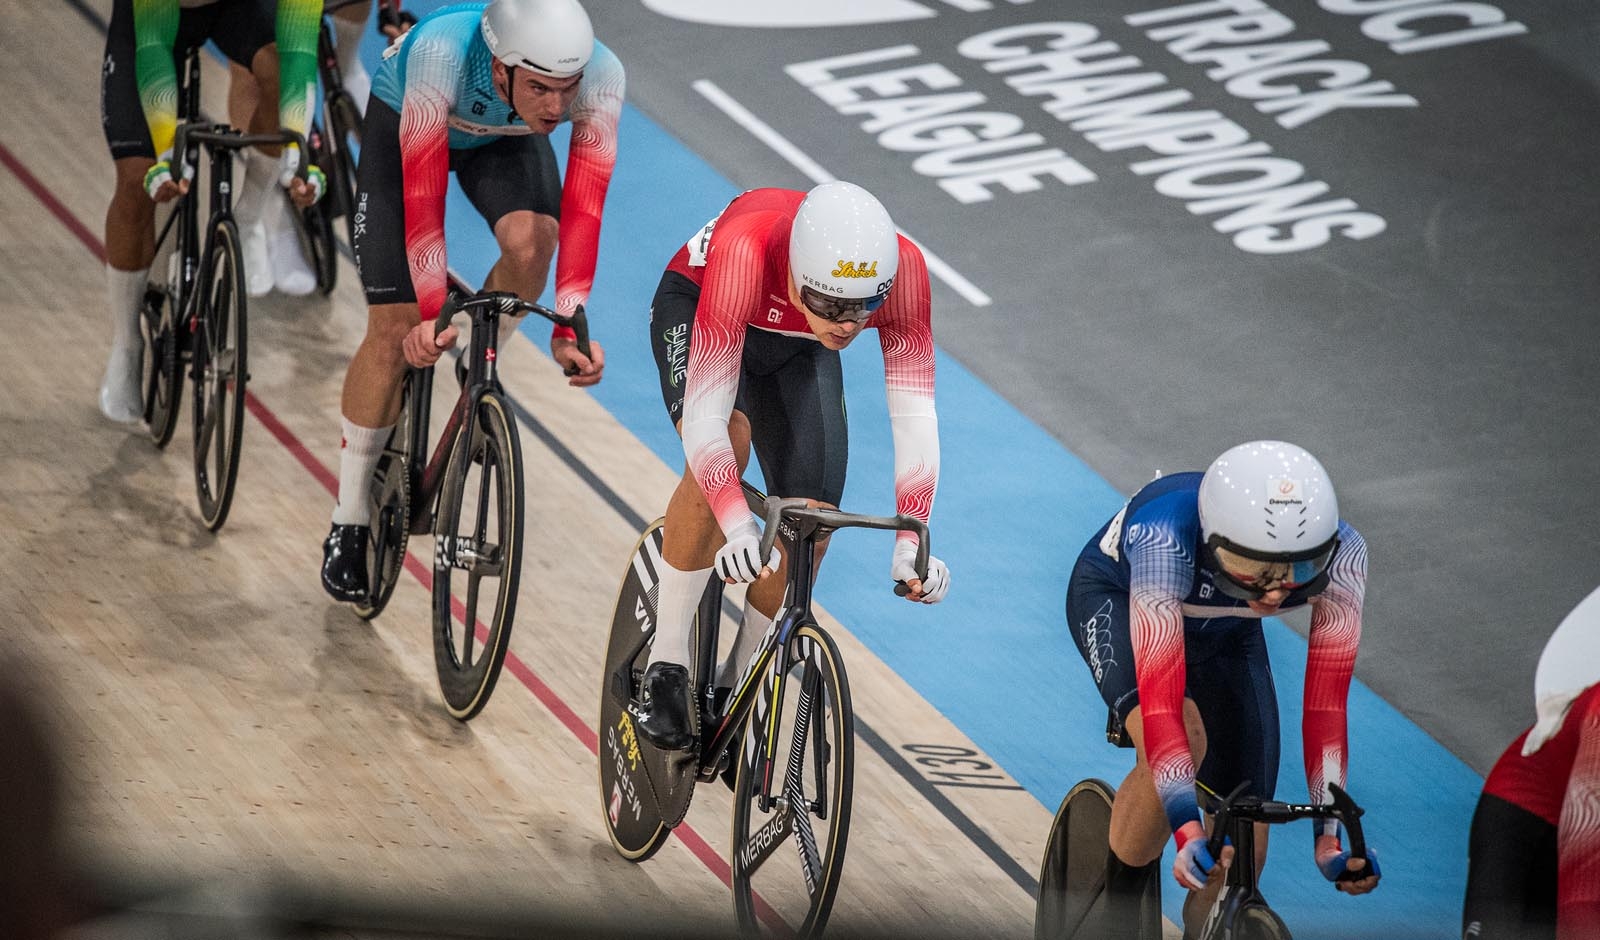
467	494
787	728
1072	881
197	317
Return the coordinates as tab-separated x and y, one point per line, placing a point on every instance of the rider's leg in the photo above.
689	543
130	243
349	23
1139	827
130	218
371	399
527	242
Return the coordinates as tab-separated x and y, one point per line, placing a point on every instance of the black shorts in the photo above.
1511	874
791	389
240	28
507	175
1227	674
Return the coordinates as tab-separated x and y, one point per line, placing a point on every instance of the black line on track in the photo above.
88	13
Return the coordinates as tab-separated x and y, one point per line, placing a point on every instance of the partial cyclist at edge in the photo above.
1165	605
475	89
146	43
1534	855
747	326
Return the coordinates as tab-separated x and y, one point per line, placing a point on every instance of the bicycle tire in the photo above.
220	365
488	442
390	493
314	226
344	126
800	721
1259	922
158	322
628	805
1072	877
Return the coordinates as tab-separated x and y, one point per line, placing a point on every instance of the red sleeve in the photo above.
1330	661
1578	838
590	161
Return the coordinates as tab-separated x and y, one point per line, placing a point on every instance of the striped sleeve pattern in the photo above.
1161	570
155	31
433	71
1578	836
1330	661
906	335
590	161
730	290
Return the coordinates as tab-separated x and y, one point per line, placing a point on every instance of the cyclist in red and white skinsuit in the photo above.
747	325
1534	871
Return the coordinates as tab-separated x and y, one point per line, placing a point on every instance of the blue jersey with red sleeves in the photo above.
1154	549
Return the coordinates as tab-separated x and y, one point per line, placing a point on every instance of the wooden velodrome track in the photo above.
223	723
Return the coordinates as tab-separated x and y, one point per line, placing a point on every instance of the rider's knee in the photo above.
527	240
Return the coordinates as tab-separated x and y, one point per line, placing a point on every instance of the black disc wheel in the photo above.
158	322
791	809
1072	880
221	372
390	493
1258	922
627	797
477	557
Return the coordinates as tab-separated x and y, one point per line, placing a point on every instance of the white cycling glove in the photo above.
903	568
739	559
289	161
161	173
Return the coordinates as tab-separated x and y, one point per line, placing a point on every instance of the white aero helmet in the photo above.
843	251
550	37
1271	502
1569	664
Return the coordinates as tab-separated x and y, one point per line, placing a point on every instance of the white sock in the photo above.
679	595
255	175
508	325
121	395
752	627
291	273
357	459
347	48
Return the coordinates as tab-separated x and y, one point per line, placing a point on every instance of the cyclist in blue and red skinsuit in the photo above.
1165	605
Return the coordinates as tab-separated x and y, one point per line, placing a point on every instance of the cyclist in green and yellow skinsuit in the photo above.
146	43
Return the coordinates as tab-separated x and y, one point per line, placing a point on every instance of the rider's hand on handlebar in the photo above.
738	561
422	348
301	192
582	370
1194	864
158	182
1333	861
902	567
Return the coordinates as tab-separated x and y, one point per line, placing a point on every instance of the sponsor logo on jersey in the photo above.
856	269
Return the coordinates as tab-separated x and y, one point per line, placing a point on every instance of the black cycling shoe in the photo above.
662	715
344	563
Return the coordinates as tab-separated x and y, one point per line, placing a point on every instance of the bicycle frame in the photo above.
483	377
1236	816
801	526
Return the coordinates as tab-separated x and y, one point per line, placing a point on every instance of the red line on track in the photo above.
330	482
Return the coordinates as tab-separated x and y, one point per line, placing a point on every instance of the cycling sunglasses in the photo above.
1305	569
840	309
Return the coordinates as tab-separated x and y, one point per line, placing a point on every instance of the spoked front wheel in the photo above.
158	321
791	810
477	557
221	371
